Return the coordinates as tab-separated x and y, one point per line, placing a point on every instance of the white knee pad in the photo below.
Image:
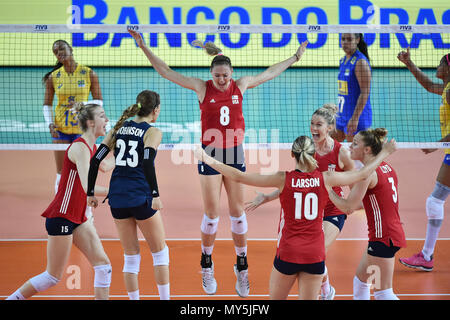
43	281
435	208
131	263
102	278
161	258
209	226
239	224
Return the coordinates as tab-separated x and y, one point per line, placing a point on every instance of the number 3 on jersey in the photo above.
224	115
310	205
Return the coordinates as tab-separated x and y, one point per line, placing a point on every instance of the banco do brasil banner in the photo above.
96	48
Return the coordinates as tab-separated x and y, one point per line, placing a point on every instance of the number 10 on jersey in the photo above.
310	205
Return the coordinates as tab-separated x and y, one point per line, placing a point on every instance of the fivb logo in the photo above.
40	27
223	27
133	27
406	28
314	28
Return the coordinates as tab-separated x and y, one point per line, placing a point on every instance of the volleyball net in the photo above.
275	112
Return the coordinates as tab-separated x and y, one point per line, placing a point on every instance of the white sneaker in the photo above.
330	295
242	283
208	281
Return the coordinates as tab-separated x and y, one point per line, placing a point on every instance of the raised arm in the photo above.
421	77
80	155
165	71
353	201
275	180
346	178
272	72
260	199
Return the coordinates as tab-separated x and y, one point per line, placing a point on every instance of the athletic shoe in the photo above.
242	284
418	261
208	281
330	295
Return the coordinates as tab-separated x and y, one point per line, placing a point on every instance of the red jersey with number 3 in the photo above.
222	119
381	206
300	233
330	162
70	201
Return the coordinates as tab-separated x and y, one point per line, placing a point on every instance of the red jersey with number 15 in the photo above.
70	201
381	206
300	233
222	119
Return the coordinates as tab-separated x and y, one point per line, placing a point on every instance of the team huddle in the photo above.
313	207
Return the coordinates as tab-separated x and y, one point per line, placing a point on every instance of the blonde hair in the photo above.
213	50
303	149
146	102
328	111
374	138
84	112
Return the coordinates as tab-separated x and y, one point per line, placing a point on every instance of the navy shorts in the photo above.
338	221
59	226
67	137
141	212
234	157
290	268
379	249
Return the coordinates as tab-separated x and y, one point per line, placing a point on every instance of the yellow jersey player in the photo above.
71	82
435	202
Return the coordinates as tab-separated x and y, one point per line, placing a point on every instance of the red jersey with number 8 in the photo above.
300	233
70	201
381	206
222	119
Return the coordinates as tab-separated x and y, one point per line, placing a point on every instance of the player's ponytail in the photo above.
303	149
362	45
146	102
213	50
374	138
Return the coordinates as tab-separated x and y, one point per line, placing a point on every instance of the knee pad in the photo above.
43	281
102	278
239	224
161	258
435	208
440	191
131	263
209	226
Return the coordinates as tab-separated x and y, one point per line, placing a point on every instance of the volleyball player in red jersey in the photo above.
379	194
68	219
303	197
330	156
223	129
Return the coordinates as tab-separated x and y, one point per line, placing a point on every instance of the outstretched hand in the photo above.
200	154
390	146
255	203
404	56
137	36
301	50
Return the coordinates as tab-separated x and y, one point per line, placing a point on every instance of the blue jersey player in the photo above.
133	191
355	111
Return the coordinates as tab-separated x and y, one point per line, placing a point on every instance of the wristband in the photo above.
48	115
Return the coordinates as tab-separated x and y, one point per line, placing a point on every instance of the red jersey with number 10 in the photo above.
381	206
70	201
300	233
222	119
